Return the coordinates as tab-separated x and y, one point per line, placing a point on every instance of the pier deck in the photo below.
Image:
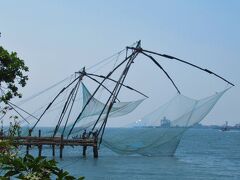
39	141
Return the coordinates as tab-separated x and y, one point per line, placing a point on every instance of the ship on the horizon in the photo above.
225	127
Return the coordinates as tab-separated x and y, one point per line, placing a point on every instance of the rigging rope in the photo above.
22	110
43	91
165	72
73	101
116	91
126	86
183	61
53	102
109	74
18	113
101	84
108	58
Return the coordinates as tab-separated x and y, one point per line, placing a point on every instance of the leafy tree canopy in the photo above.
12	74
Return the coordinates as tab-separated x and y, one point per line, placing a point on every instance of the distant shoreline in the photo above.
200	126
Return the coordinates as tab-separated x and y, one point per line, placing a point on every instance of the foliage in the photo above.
29	167
12	70
7	146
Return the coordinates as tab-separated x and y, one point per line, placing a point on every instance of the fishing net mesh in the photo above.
156	134
159	132
95	107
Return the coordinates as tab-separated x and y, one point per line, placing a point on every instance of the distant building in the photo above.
165	122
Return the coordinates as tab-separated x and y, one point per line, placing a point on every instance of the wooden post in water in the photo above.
27	148
95	147
61	146
39	146
95	151
53	150
84	150
39	150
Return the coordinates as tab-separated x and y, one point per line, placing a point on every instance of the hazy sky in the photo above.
57	38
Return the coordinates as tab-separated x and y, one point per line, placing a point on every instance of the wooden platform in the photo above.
54	142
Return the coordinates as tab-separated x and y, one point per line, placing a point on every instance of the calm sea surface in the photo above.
202	154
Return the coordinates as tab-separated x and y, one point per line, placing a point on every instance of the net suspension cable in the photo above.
126	86
116	92
185	62
131	56
73	101
65	107
165	72
14	110
50	104
96	90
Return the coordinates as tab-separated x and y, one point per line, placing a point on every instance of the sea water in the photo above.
202	154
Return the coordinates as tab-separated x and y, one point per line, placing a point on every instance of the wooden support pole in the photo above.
39	146
61	146
39	150
53	150
95	151
61	151
28	146
84	150
95	147
27	150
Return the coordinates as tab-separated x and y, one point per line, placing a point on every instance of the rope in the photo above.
43	91
183	61
53	102
109	74
108	58
18	113
165	72
22	110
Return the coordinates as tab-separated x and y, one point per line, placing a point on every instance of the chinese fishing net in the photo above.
92	108
159	133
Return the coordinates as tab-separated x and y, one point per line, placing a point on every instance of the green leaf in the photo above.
11	173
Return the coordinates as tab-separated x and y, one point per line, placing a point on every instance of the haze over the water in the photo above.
57	38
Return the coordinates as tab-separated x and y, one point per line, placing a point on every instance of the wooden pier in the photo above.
38	141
